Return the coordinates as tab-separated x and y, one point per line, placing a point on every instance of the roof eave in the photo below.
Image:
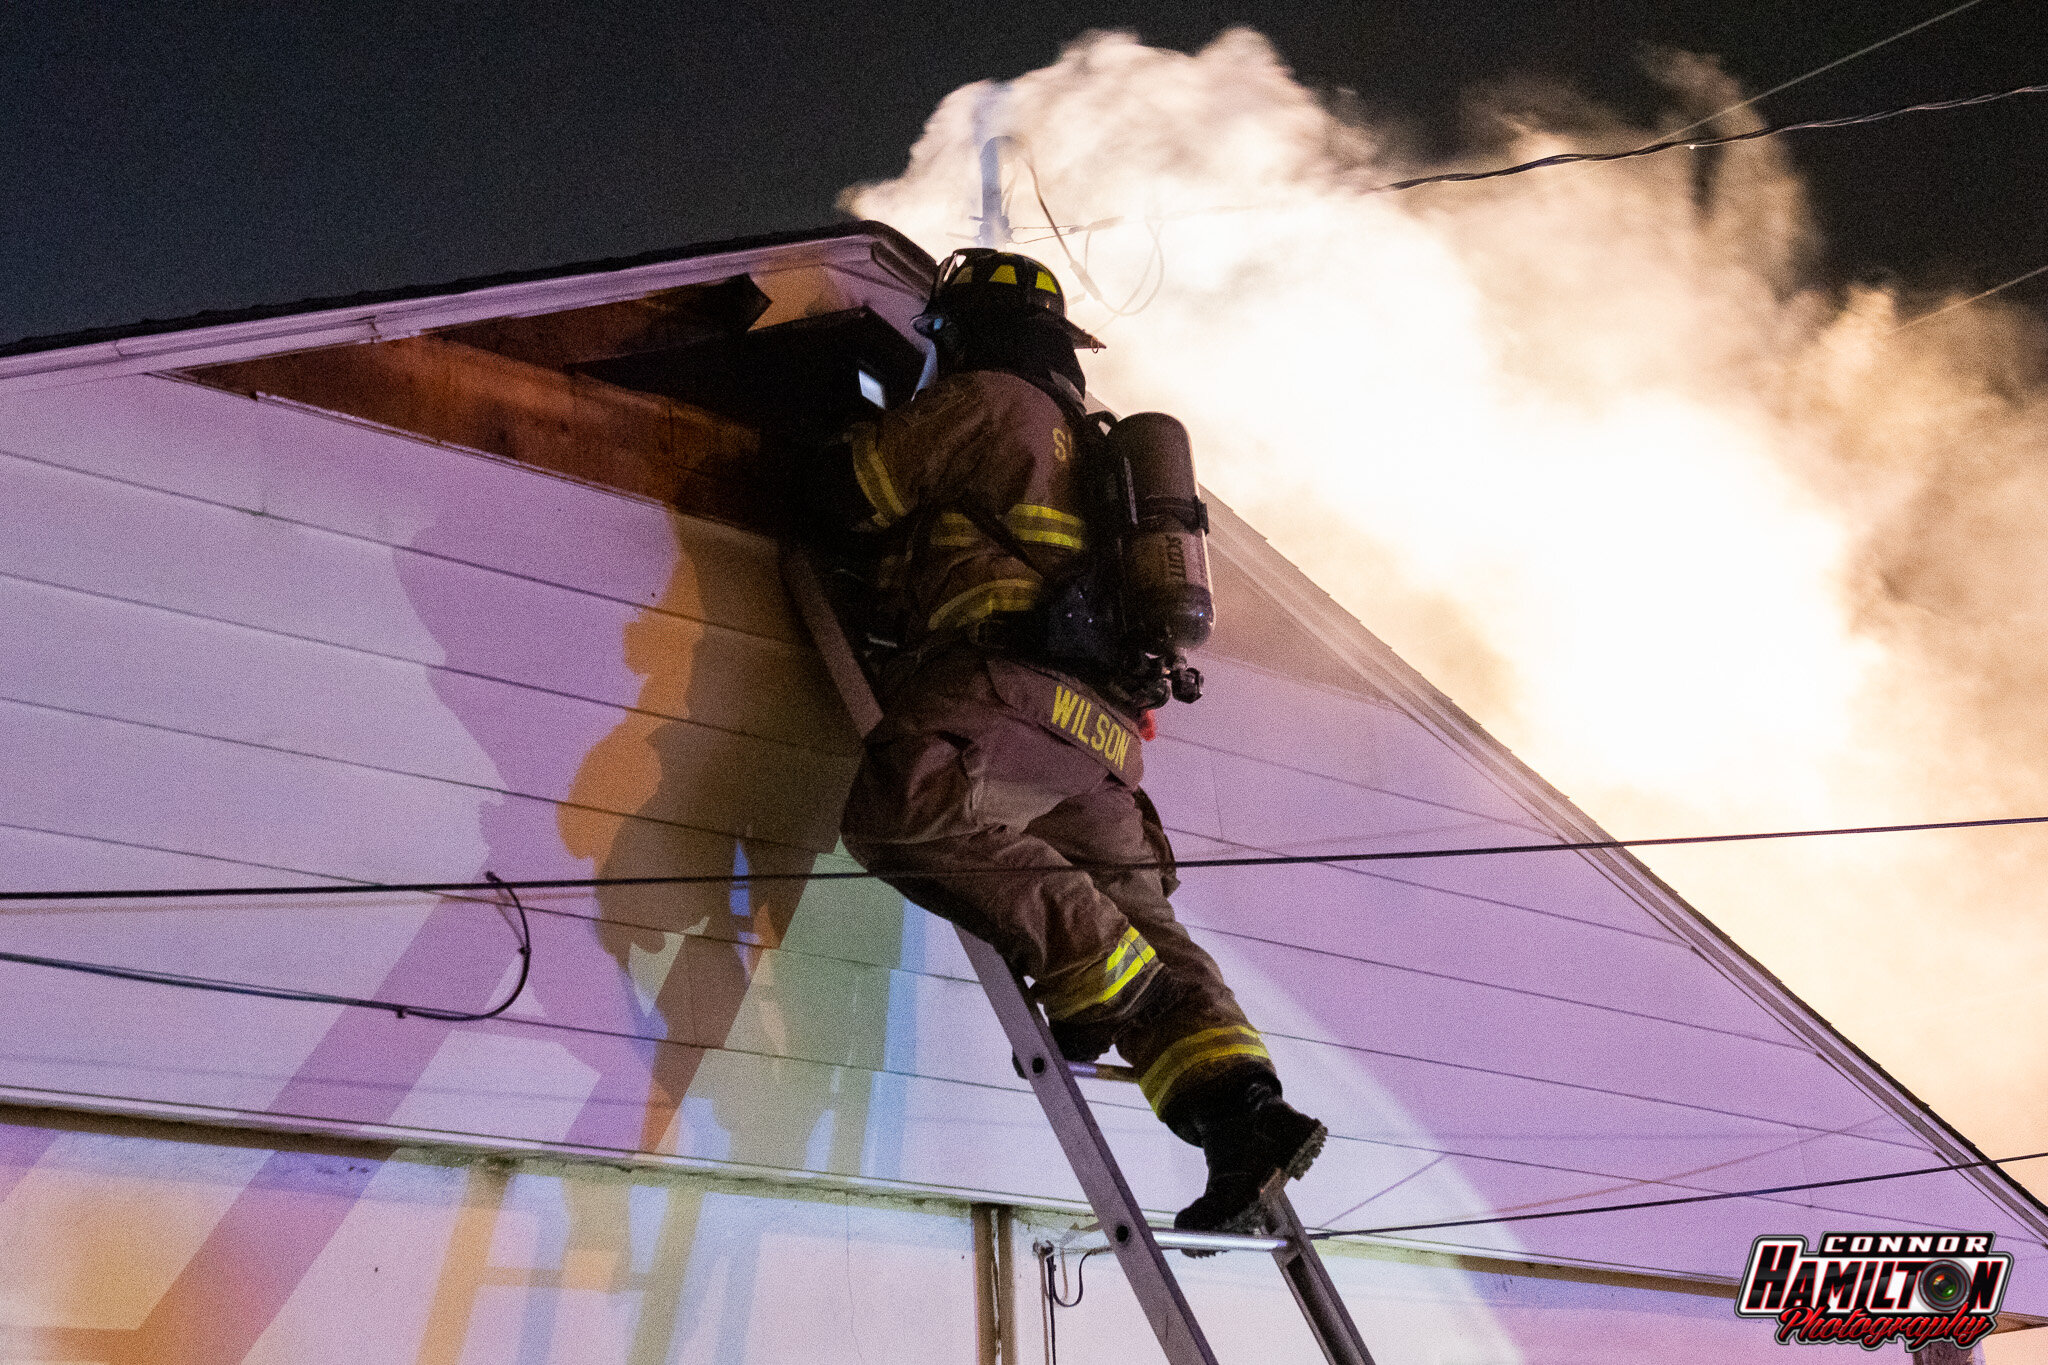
220	336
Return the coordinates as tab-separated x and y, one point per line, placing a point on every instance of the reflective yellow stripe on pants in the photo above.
1120	966
1196	1055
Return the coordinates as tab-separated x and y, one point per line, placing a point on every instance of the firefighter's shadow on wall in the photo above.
745	1041
629	1037
699	1035
699	965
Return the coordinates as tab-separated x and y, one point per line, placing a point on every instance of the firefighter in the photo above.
990	755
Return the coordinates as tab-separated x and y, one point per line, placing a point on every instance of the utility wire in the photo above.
661	1040
493	882
1667	1203
1050	1301
1156	222
1830	66
1055	1300
1572	158
262	992
750	878
525	937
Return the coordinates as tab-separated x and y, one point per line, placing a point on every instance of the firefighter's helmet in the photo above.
982	282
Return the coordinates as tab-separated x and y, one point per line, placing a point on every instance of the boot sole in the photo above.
1306	1154
1252	1221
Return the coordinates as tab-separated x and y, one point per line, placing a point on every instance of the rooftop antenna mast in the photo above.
988	112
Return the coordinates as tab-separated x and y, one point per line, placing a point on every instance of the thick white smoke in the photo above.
1711	548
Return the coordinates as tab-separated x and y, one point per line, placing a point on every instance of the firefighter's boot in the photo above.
1254	1141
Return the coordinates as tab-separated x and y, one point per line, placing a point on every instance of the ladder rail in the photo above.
1314	1293
1066	1109
1087	1151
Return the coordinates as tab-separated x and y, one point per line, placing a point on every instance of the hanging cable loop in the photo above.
522	929
1051	1299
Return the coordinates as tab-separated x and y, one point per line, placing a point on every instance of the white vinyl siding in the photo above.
250	644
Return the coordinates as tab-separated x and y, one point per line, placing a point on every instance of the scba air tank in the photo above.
1168	607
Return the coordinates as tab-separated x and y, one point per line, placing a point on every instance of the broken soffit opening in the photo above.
691	395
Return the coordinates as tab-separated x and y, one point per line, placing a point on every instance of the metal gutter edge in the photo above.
394	1140
146	1121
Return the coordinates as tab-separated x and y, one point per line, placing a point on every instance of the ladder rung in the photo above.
1093	1238
1104	1071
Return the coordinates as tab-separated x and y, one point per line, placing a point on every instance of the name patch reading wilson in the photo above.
1091	726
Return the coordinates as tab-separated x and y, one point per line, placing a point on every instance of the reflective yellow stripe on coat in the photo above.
1046	526
984	600
1028	522
872	474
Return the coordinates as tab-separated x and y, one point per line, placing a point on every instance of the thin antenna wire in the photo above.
1081	269
1964	303
1687	1199
1820	70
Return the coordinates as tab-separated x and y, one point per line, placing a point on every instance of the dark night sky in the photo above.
161	159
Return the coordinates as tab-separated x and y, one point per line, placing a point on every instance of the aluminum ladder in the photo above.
1140	1249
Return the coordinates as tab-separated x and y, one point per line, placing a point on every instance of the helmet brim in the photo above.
1083	339
928	325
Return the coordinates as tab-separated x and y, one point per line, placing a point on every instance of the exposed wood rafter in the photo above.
571	424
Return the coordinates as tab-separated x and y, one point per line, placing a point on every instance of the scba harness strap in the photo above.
1071	624
1128	593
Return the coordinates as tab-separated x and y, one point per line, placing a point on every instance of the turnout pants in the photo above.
1006	776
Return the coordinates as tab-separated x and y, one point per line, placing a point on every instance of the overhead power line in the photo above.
1155	222
1667	1203
1054	228
1248	860
1573	158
